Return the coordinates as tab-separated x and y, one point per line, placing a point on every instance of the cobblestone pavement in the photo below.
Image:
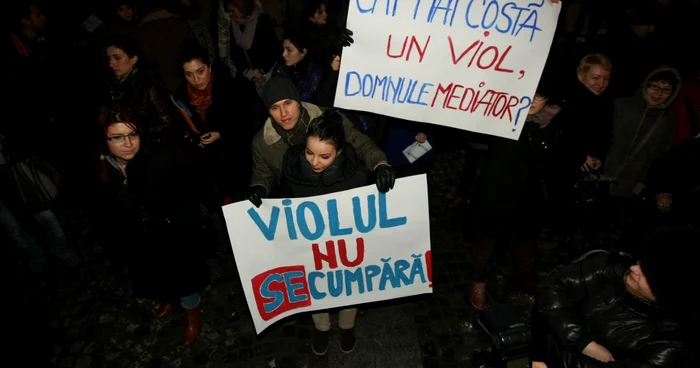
85	317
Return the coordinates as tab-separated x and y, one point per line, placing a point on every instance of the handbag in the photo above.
37	183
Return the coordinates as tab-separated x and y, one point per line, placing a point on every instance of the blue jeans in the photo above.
27	243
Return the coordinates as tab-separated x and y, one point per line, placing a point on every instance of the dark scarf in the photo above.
200	100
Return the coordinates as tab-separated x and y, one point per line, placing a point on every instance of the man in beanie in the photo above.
606	310
286	127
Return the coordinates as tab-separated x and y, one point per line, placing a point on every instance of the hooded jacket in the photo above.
641	134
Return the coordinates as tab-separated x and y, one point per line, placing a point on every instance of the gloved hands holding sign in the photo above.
255	195
385	177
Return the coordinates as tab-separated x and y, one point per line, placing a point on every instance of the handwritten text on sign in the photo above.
467	64
307	254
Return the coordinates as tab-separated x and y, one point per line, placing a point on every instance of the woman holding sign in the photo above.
327	163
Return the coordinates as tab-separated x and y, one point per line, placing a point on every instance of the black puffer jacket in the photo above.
299	180
145	96
588	301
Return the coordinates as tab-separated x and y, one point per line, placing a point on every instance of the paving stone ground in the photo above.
86	318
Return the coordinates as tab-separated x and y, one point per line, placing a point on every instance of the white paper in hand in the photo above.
416	151
91	23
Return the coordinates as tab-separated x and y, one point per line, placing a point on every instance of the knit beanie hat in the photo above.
277	89
668	264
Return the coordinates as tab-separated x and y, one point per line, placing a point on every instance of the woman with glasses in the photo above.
150	219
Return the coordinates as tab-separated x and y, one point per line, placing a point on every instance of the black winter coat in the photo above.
299	180
588	301
145	96
152	222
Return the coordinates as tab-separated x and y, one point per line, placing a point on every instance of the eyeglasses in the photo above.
658	89
122	138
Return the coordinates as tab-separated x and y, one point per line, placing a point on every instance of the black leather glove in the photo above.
255	194
344	40
386	176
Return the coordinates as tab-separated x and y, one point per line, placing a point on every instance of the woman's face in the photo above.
291	54
537	105
120	62
286	113
320	17
197	73
320	154
596	80
123	141
125	12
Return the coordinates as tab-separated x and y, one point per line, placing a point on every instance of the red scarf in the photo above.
200	100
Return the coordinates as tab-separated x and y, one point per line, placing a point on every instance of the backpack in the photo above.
36	183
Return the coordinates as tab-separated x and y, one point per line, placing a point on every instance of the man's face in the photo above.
125	12
638	283
286	113
36	20
657	93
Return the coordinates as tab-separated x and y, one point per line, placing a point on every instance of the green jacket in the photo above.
269	148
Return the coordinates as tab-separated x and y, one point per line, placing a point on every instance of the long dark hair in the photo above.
328	128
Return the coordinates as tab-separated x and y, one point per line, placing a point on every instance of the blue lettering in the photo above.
335	283
334	220
387	275
371	272
367	82
366	10
533	26
347	83
291	229
371	213
437	6
422	92
486	13
384	220
320	226
268	231
378	82
466	16
292	287
417	269
276	296
356	277
315	294
399	267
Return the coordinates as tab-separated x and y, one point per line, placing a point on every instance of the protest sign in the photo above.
307	254
467	64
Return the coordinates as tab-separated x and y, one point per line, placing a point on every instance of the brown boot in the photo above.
193	320
164	309
478	295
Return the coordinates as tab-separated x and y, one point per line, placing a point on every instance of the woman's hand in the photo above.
421	138
591	164
335	64
598	352
209	138
664	201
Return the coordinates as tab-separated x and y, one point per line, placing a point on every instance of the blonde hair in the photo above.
591	60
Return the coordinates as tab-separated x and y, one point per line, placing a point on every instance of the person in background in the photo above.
248	45
286	127
608	310
510	197
301	66
125	21
327	163
150	217
160	35
220	114
133	86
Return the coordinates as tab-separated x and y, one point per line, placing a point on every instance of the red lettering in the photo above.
429	266
500	61
343	253
456	59
329	257
442	91
512	102
420	49
493	60
452	95
388	48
